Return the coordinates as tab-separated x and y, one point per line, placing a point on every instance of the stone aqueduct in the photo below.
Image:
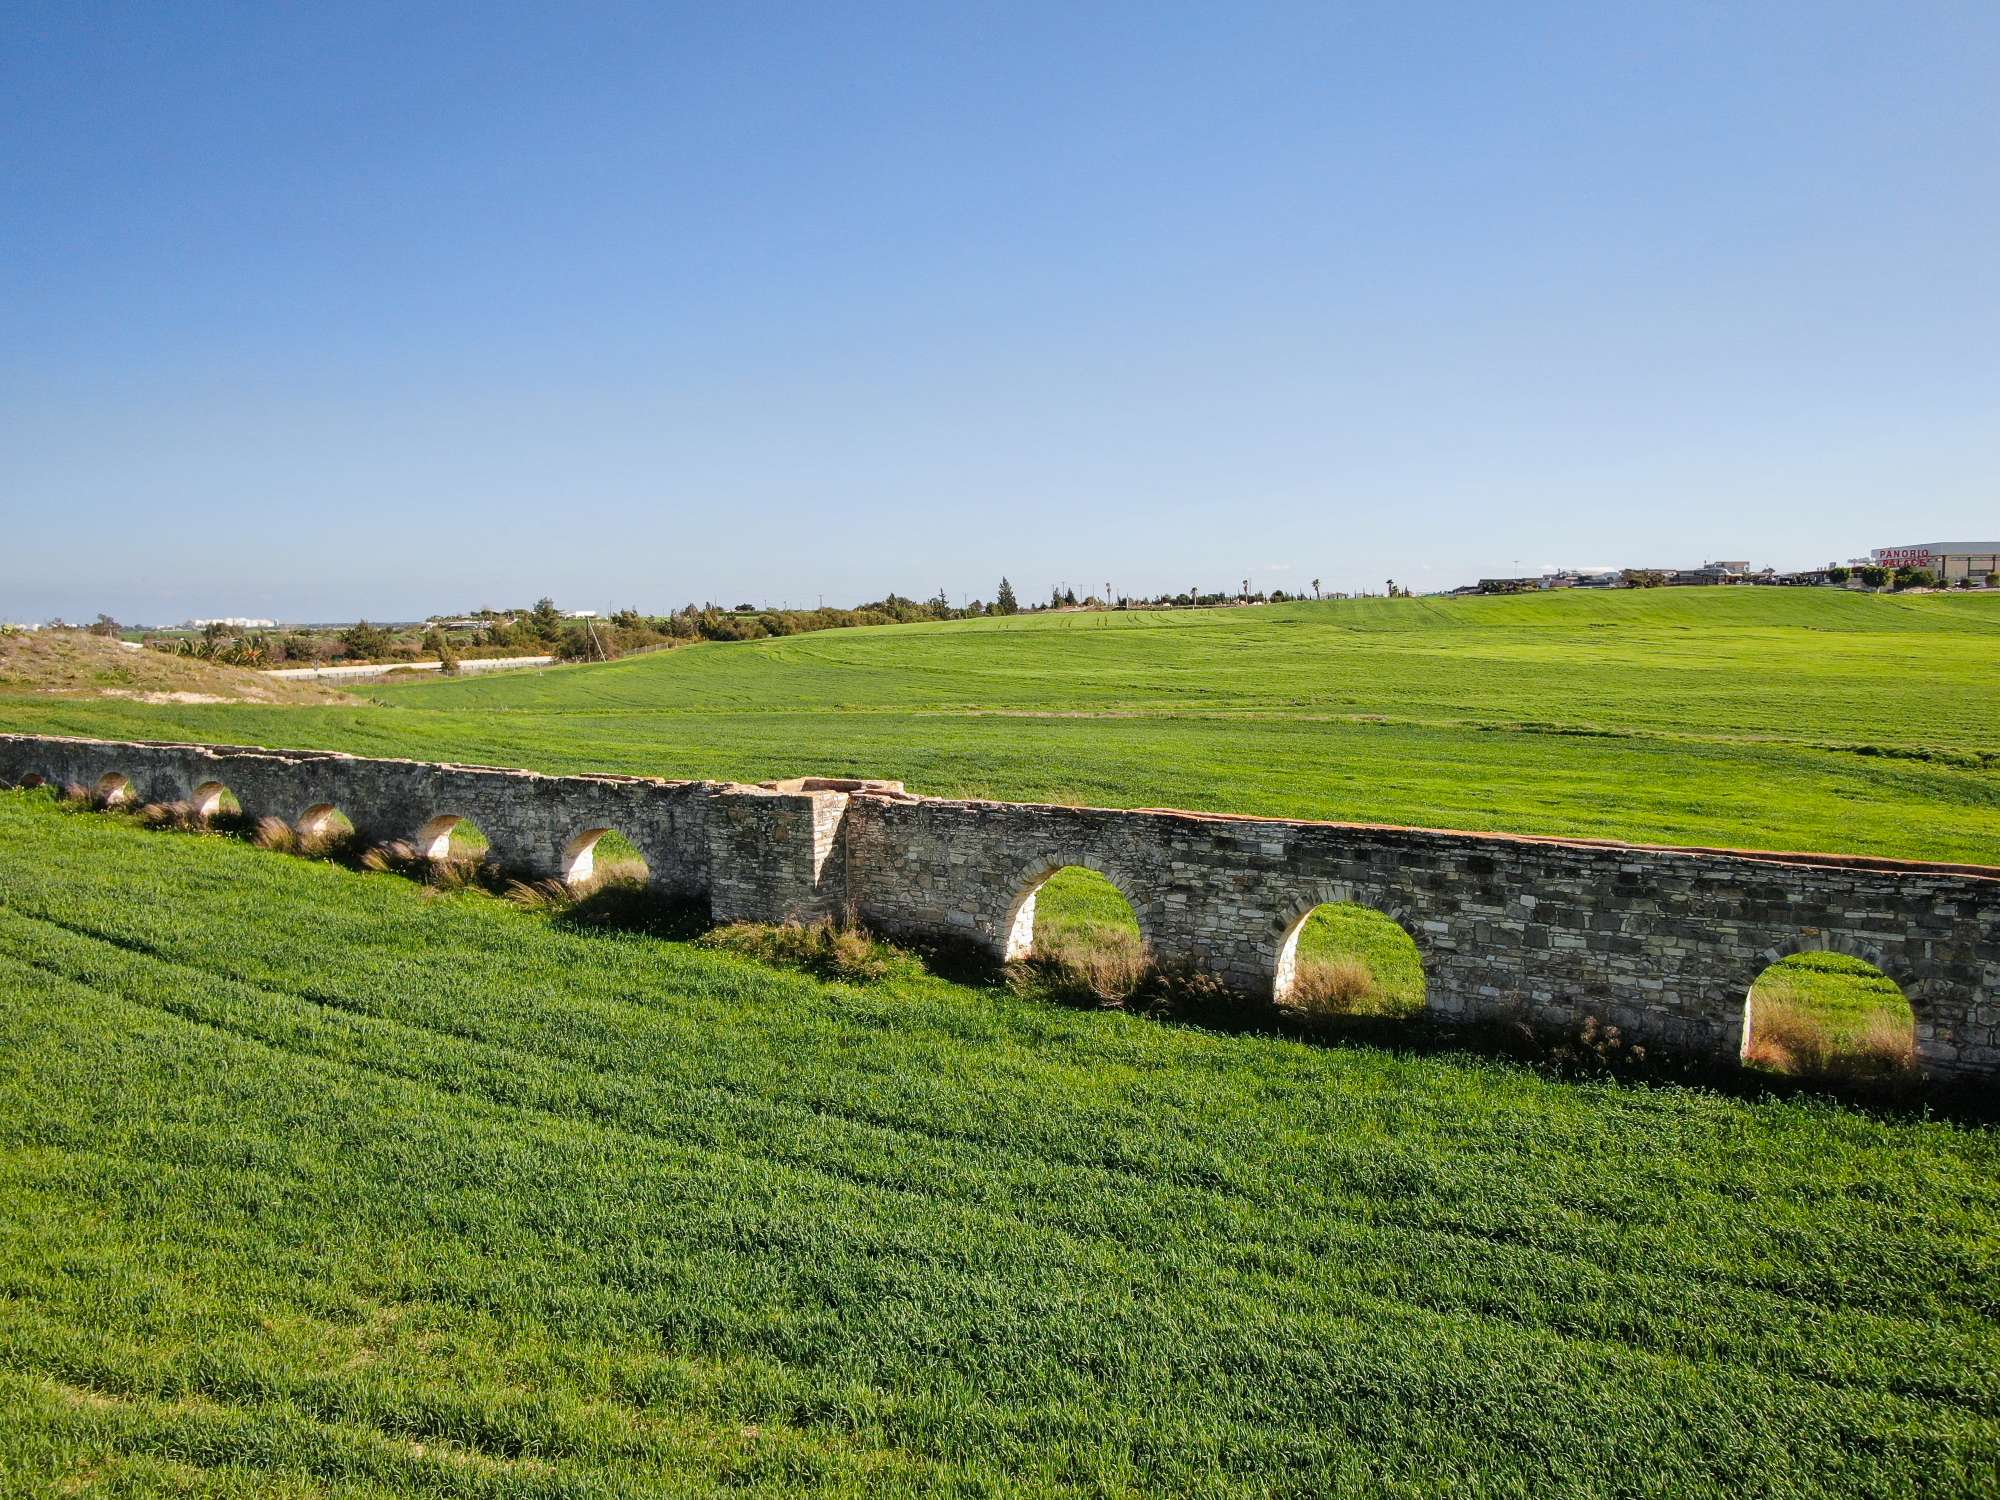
1663	942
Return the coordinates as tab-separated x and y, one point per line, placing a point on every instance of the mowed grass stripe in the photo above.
1394	1263
1371	1336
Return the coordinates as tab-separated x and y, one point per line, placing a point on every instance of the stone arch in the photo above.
320	819
1828	940
434	838
206	799
1893	1036
1017	923
114	787
579	855
1281	962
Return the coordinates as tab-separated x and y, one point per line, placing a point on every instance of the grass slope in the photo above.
312	1184
1759	717
69	664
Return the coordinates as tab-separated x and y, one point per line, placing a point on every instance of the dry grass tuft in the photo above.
613	872
540	895
275	833
178	816
1788	1035
828	949
1107	966
341	845
1343	986
453	873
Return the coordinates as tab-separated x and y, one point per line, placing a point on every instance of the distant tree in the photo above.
1837	575
1644	578
1993	580
1315	588
438	644
1915	578
106	626
1873	576
364	641
544	621
1004	602
1069	598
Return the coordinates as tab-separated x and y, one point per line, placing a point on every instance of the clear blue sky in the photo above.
325	310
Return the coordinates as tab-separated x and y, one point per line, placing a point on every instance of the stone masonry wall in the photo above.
1662	942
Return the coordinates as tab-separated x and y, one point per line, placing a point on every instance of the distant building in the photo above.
233	622
579	614
1950	561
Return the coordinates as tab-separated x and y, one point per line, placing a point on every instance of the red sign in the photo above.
1903	557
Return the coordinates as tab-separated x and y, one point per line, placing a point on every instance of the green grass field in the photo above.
1767	718
313	1182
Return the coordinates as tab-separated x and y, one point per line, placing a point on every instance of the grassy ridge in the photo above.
1758	717
311	1180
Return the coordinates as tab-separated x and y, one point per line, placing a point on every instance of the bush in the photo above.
364	642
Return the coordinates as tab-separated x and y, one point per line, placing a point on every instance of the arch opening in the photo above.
323	829
452	837
214	800
1079	933
113	788
1829	1016
32	780
600	857
1343	959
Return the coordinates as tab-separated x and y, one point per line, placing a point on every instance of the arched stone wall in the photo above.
1663	942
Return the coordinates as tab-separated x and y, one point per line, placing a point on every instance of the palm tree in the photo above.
1315	588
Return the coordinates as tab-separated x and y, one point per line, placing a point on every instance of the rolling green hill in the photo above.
1757	717
320	1183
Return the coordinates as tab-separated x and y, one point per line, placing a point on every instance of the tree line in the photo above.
542	629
